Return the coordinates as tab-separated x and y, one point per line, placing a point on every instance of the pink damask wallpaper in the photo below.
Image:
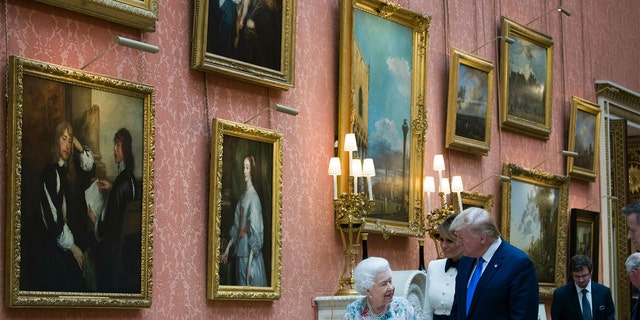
596	42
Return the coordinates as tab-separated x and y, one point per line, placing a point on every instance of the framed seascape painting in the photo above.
80	188
525	80
245	211
585	237
534	206
469	106
141	14
251	40
584	138
382	101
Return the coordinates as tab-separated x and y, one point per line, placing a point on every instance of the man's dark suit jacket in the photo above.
566	303
508	288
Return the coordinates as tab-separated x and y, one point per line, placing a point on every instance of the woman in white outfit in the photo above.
441	275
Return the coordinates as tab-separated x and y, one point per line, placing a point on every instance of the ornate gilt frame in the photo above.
141	14
230	143
235	67
475	199
354	103
40	96
524	118
533	186
584	138
465	113
585	231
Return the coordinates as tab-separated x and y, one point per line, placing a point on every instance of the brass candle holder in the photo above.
351	210
436	217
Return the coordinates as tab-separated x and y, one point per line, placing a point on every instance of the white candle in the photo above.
350	145
335	171
444	186
368	170
356	172
429	186
438	165
456	186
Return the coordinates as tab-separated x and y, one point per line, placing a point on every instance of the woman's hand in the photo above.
249	267
224	257
77	254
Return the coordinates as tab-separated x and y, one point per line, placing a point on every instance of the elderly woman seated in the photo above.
372	278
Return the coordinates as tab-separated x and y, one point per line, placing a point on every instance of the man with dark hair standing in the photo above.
582	298
117	254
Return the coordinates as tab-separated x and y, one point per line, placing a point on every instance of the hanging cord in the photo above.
206	104
142	58
6	48
496	90
270	113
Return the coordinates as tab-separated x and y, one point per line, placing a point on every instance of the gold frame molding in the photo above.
141	14
353	106
281	78
585	119
474	199
524	121
66	91
587	224
556	237
477	74
230	143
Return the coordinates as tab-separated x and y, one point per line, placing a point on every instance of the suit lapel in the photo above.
574	300
490	270
465	267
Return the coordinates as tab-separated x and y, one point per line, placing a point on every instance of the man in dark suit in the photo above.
507	285
582	298
633	269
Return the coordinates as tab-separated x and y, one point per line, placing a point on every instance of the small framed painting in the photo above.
469	106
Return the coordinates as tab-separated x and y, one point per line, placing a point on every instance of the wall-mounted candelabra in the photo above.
433	218
351	208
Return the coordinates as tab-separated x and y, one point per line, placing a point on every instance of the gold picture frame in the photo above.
403	66
469	107
474	199
261	52
141	14
585	238
526	77
48	104
534	219
584	139
239	242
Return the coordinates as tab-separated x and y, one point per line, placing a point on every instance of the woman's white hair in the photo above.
366	271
